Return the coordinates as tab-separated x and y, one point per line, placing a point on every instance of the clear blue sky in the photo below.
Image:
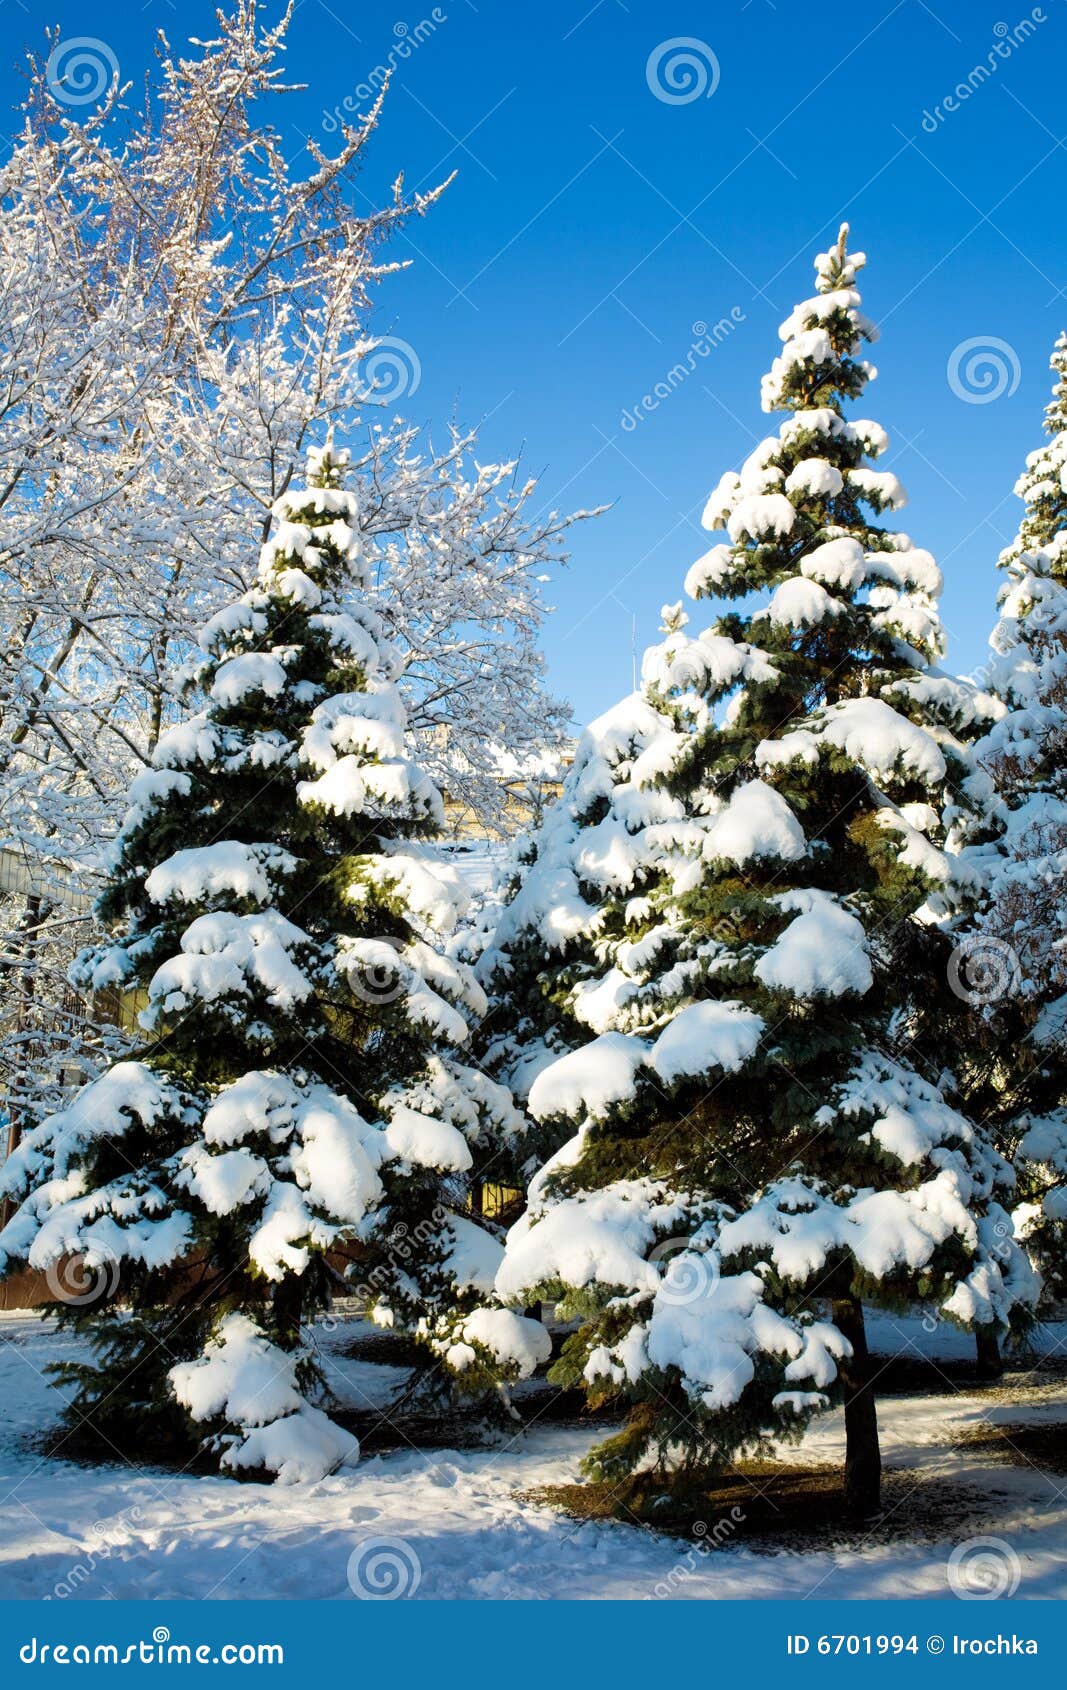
592	224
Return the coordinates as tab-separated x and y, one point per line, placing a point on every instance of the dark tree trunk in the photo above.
288	1309
26	951
863	1457
987	1350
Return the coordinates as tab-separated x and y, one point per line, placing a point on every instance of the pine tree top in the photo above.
1040	546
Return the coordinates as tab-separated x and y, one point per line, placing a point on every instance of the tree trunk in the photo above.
863	1458
26	952
987	1350
288	1309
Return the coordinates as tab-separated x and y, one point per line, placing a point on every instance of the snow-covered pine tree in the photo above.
754	1149
1017	949
298	1088
593	940
572	889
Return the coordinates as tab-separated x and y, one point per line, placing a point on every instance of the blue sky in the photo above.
593	223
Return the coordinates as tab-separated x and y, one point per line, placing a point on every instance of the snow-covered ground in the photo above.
456	1522
478	860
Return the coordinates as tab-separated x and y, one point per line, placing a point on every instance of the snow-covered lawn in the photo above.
98	1532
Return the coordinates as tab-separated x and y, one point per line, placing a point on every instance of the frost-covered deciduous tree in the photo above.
1018	947
300	1087
743	885
179	305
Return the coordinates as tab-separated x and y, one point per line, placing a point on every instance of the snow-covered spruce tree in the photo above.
298	1088
1016	955
754	1149
568	894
